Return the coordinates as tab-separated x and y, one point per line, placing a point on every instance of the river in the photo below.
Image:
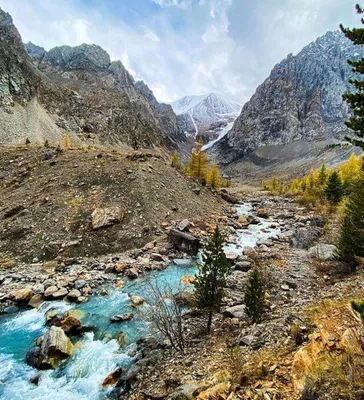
99	354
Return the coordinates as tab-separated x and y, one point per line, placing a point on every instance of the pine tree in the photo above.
254	296
175	163
213	177
211	279
27	141
351	241
334	189
356	100
46	143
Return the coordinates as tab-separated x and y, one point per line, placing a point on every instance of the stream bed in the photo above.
99	354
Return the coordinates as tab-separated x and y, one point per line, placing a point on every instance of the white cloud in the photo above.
185	46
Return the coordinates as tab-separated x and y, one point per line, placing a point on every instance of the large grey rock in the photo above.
55	347
323	251
184	241
103	217
303	238
235	311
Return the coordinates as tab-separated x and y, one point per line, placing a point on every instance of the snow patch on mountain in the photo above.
206	116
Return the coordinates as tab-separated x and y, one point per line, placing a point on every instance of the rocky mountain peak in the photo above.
301	101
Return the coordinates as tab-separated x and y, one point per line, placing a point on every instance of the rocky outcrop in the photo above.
301	101
78	90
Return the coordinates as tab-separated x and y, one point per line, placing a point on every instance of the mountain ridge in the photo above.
78	90
300	101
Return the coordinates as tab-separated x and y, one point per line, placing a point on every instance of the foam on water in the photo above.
254	233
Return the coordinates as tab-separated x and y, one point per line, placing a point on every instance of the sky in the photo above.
185	47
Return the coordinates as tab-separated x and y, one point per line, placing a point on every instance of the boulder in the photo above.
80	283
243	221
55	347
59	294
235	311
50	291
229	198
132	273
262	213
122	339
122	317
103	217
252	219
136	300
36	301
243	266
113	378
74	295
323	251
184	225
303	238
52	316
184	241
120	267
22	296
71	325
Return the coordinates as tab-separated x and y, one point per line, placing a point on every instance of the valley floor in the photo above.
307	311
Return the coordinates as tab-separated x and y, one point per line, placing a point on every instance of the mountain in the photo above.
205	116
298	110
78	90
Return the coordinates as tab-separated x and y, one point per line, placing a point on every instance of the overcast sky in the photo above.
184	47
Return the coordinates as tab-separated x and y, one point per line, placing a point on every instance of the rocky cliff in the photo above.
300	102
79	90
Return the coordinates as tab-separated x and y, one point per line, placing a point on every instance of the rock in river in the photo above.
55	348
22	295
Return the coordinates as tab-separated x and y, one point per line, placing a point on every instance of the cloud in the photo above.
182	47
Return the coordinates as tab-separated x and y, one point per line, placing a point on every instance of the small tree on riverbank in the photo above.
254	296
351	240
210	283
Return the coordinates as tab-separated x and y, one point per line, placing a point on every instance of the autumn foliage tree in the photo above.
67	141
175	162
198	164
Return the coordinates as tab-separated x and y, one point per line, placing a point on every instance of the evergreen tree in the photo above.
27	141
46	143
211	280
334	189
351	241
356	100
175	163
254	296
